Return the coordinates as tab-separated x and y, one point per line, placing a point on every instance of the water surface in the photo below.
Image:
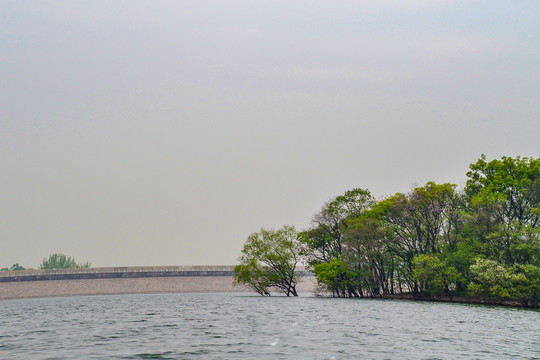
240	326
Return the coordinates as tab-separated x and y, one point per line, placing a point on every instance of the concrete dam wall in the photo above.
125	280
115	272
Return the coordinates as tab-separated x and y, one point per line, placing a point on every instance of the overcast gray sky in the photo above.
165	132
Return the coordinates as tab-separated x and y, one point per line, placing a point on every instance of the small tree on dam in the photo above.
61	261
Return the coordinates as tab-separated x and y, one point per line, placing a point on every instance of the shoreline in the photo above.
444	299
463	300
210	282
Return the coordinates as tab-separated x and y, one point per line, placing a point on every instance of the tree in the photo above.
366	250
434	275
337	278
324	246
268	260
516	180
13	267
504	202
526	285
423	221
324	241
61	261
16	267
253	275
490	279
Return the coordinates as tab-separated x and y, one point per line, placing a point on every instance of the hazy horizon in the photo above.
164	133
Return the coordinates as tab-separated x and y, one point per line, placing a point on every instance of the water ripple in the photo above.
239	326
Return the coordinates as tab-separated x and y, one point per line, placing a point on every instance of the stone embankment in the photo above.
125	280
115	272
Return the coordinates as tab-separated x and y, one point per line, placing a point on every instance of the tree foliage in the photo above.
268	260
326	247
504	198
61	261
433	241
490	279
324	241
424	221
434	275
516	180
337	278
14	267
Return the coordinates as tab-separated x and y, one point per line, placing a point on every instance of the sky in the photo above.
165	132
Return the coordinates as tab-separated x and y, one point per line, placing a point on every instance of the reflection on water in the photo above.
239	326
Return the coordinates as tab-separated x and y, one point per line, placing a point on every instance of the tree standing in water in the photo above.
269	260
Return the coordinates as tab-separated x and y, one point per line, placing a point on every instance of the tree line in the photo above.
54	261
482	241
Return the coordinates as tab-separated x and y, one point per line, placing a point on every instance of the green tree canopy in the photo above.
16	267
516	180
423	221
13	267
435	240
504	207
324	241
61	261
268	260
434	275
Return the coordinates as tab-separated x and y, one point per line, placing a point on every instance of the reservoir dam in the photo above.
126	280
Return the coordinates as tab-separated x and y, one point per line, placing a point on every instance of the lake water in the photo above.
240	326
